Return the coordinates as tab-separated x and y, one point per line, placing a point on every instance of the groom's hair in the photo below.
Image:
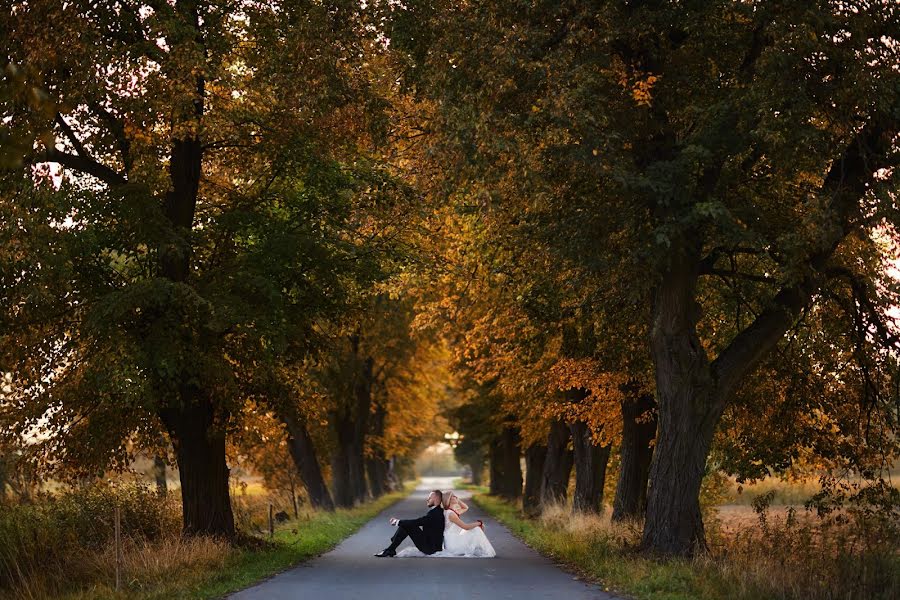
440	495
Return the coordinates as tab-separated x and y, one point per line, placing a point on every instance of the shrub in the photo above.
52	539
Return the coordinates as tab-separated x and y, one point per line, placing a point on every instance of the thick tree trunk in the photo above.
535	456
376	464
196	424
557	465
159	475
344	470
351	425
362	392
198	436
477	468
687	413
506	469
377	469
638	431
590	470
303	452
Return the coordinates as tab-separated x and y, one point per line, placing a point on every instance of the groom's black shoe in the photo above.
385	553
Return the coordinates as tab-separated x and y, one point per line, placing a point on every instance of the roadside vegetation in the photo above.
784	554
64	547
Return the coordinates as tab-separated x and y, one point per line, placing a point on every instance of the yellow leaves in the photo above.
136	134
641	91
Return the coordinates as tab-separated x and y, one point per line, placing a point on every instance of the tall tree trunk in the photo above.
692	392
558	464
477	468
362	392
376	463
494	469
197	431
351	424
377	469
590	470
196	424
303	452
393	477
506	469
341	470
159	475
687	412
535	456
638	431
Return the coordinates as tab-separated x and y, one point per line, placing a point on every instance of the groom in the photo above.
427	532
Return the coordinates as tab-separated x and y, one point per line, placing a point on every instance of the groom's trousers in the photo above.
415	533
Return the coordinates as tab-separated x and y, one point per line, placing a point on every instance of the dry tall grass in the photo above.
66	542
784	554
145	564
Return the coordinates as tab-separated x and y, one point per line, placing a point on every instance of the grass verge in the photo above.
166	565
462	484
783	562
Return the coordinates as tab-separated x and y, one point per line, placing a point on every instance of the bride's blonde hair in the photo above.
445	501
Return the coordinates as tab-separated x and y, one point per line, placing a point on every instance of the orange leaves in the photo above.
641	90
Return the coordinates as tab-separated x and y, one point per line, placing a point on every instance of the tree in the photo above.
661	144
183	129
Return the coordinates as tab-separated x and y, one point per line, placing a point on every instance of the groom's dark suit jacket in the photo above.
432	525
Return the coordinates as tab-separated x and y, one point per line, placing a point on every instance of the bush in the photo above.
49	540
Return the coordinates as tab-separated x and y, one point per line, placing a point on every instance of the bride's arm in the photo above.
454	519
463	507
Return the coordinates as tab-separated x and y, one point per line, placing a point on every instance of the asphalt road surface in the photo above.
350	571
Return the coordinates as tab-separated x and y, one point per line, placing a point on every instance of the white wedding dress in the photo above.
459	542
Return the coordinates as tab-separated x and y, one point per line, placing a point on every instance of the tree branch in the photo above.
116	127
82	164
848	180
860	293
70	135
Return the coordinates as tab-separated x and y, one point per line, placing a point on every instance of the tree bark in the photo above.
377	465
590	470
687	415
198	435
343	472
692	392
558	464
477	468
351	425
377	470
535	456
195	423
506	469
159	475
303	452
636	452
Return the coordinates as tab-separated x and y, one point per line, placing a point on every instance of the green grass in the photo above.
236	569
295	543
462	484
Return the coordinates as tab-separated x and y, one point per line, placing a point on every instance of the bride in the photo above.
460	538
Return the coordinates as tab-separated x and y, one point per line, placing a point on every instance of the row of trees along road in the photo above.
651	228
221	238
686	203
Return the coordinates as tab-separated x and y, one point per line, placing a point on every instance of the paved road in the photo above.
350	571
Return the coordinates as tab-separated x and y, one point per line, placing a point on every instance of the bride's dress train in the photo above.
472	543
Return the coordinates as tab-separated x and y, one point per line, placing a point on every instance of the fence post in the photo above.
271	520
118	547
